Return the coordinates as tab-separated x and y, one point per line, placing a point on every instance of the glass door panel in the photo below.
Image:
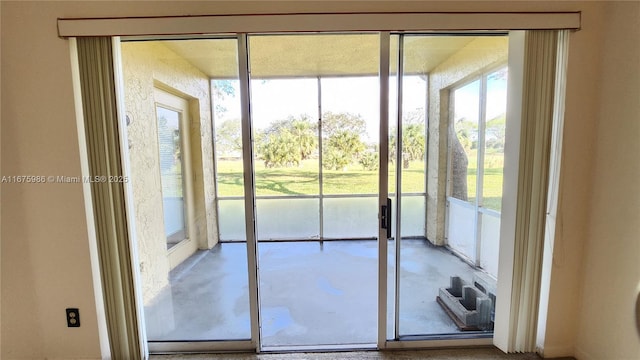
440	288
350	133
196	291
464	141
492	170
350	217
494	138
170	149
412	167
463	155
315	129
225	94
285	133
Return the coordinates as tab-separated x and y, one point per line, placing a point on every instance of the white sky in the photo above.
467	99
278	99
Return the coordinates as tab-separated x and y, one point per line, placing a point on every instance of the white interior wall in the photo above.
45	262
45	265
611	283
575	187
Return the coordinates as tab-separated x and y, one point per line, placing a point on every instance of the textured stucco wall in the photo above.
147	65
476	56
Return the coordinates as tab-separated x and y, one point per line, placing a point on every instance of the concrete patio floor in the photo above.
311	293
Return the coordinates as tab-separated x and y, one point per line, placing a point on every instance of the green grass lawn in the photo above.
304	180
492	182
492	194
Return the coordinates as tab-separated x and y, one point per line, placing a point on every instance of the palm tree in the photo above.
342	149
413	143
304	137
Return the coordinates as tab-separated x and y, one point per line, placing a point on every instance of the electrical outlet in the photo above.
73	317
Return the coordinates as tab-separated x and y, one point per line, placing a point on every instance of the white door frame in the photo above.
249	190
383	188
187	246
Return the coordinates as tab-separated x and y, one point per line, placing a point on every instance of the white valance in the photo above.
220	24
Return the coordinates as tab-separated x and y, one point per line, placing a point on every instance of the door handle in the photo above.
385	217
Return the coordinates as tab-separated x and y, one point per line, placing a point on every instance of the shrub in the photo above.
369	161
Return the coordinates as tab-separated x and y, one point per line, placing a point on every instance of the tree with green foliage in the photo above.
228	138
495	132
221	89
413	144
279	149
467	132
333	123
413	138
305	135
287	142
342	138
369	160
342	149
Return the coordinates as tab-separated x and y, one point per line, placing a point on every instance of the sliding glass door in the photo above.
446	138
335	190
194	287
315	162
